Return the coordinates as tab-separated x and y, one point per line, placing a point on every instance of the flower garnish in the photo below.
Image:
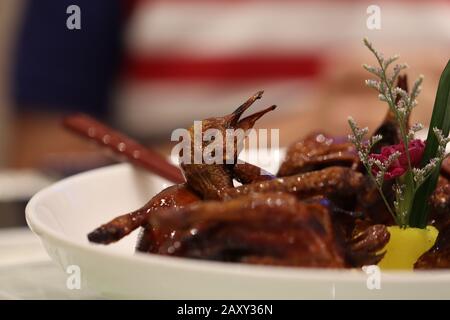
403	162
399	166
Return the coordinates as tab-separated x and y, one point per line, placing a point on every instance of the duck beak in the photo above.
234	117
249	122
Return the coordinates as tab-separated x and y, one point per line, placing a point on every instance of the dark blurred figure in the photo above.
58	69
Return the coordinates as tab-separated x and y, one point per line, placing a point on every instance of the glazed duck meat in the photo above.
332	182
438	256
317	151
272	228
320	210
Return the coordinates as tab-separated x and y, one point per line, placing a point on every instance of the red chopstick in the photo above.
120	144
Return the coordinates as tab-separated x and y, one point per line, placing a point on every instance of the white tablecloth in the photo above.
26	271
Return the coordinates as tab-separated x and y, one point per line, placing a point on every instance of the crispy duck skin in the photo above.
318	151
119	227
258	228
333	181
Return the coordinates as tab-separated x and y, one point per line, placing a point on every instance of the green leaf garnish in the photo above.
440	119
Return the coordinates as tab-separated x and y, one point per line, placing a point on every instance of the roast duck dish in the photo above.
321	209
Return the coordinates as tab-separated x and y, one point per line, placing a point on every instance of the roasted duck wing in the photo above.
332	181
119	227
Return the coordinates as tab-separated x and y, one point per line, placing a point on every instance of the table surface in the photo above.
26	271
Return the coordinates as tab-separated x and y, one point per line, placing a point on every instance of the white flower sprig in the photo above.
401	104
363	147
442	141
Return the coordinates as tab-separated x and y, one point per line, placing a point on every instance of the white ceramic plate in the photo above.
62	214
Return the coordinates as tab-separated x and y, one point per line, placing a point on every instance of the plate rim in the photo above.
241	269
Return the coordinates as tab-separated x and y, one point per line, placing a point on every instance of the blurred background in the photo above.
147	67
